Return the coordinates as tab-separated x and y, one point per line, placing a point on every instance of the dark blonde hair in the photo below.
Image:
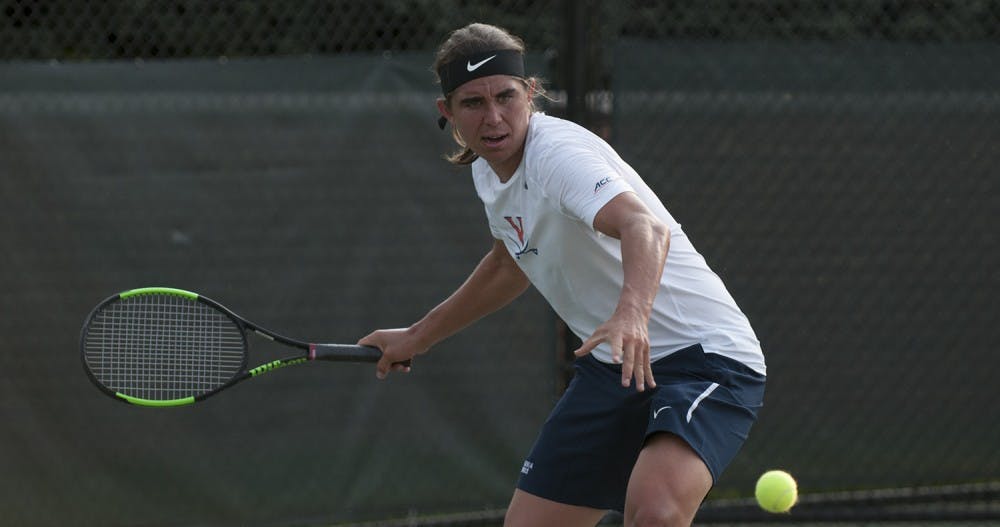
469	40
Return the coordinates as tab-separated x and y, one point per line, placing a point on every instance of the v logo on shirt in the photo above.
518	227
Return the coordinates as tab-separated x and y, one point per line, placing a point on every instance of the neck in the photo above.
506	171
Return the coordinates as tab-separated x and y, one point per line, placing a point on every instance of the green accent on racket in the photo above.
275	365
155	404
159	290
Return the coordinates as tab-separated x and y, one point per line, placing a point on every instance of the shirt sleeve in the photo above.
494	231
583	182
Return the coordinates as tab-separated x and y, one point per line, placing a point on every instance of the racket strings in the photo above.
163	347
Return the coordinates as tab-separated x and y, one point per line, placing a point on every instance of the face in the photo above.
491	114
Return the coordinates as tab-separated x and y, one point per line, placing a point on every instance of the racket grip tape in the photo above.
346	353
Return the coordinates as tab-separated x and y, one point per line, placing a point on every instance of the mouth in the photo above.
494	141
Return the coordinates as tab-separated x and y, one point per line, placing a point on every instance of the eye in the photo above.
505	97
471	103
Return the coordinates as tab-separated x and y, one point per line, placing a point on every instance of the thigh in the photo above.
528	510
668	483
586	449
709	401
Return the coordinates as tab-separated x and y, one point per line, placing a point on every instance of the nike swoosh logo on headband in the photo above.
473	67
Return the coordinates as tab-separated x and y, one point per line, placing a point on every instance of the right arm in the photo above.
494	283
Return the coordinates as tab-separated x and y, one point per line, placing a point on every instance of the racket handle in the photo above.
346	353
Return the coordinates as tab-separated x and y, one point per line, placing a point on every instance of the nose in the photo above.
492	115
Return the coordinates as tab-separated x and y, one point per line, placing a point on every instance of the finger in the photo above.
639	373
628	363
383	365
647	367
647	371
587	347
616	350
368	340
643	370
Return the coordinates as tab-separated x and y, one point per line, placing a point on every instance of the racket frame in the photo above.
309	351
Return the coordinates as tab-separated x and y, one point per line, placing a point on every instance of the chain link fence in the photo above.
160	29
92	31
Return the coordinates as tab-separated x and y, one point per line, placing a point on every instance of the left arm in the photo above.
645	241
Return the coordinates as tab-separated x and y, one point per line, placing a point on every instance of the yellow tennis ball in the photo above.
776	491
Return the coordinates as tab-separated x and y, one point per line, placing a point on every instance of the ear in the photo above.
443	108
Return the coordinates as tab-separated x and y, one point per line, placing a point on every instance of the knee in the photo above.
657	516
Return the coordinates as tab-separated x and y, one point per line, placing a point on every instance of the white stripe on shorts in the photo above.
697	401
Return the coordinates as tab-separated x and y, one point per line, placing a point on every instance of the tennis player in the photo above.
670	375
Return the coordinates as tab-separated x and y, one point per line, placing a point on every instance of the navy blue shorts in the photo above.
588	445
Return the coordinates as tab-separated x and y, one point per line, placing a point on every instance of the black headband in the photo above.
464	69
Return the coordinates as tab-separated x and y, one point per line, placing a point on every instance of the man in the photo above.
670	374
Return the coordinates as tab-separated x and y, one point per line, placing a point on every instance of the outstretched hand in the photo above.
629	341
398	349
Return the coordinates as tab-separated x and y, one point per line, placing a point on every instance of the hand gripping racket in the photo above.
158	346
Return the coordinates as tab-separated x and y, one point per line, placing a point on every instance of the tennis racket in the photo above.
158	346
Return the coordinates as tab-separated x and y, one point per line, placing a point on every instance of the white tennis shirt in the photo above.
545	213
